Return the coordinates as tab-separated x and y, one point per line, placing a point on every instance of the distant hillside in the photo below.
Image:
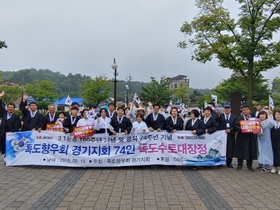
69	84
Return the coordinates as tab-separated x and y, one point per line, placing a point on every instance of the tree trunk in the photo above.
250	83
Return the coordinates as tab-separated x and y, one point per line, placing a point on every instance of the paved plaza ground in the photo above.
137	188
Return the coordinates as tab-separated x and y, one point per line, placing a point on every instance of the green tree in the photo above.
206	97
236	84
3	44
245	45
12	93
181	92
42	90
157	91
194	96
276	91
96	90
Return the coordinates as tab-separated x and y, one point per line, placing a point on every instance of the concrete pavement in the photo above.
137	188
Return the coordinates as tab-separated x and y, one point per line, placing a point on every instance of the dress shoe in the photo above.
274	170
239	168
250	168
229	165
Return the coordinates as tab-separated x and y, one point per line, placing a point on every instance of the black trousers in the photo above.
249	162
229	160
3	144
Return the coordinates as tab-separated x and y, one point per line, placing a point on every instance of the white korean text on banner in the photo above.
157	148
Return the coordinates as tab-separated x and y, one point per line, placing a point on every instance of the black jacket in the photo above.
211	125
7	125
68	124
30	123
155	124
47	120
170	126
196	126
122	126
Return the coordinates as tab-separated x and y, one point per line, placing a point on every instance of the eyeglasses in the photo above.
265	108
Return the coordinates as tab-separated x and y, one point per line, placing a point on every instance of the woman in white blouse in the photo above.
85	120
102	124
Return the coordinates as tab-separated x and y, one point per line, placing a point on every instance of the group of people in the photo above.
264	146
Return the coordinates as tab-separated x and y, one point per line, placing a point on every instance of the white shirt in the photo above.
139	127
84	122
103	123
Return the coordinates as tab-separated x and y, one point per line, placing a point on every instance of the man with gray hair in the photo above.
50	117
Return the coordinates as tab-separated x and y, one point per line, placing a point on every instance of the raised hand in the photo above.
2	94
24	97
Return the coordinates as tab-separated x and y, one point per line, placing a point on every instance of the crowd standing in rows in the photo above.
264	146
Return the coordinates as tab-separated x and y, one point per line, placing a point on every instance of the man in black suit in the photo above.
32	118
120	123
155	120
71	120
50	117
10	122
227	122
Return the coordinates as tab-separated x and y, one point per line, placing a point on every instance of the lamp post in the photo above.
115	66
127	88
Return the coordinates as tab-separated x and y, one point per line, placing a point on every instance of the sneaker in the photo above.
274	170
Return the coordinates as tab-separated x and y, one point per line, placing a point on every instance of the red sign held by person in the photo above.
83	131
54	127
250	126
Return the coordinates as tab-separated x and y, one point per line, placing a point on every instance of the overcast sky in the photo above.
84	37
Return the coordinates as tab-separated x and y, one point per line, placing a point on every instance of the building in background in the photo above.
175	84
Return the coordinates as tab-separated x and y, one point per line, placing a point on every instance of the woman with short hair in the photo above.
174	122
194	124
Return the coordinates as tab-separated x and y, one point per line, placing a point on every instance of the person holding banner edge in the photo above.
10	122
